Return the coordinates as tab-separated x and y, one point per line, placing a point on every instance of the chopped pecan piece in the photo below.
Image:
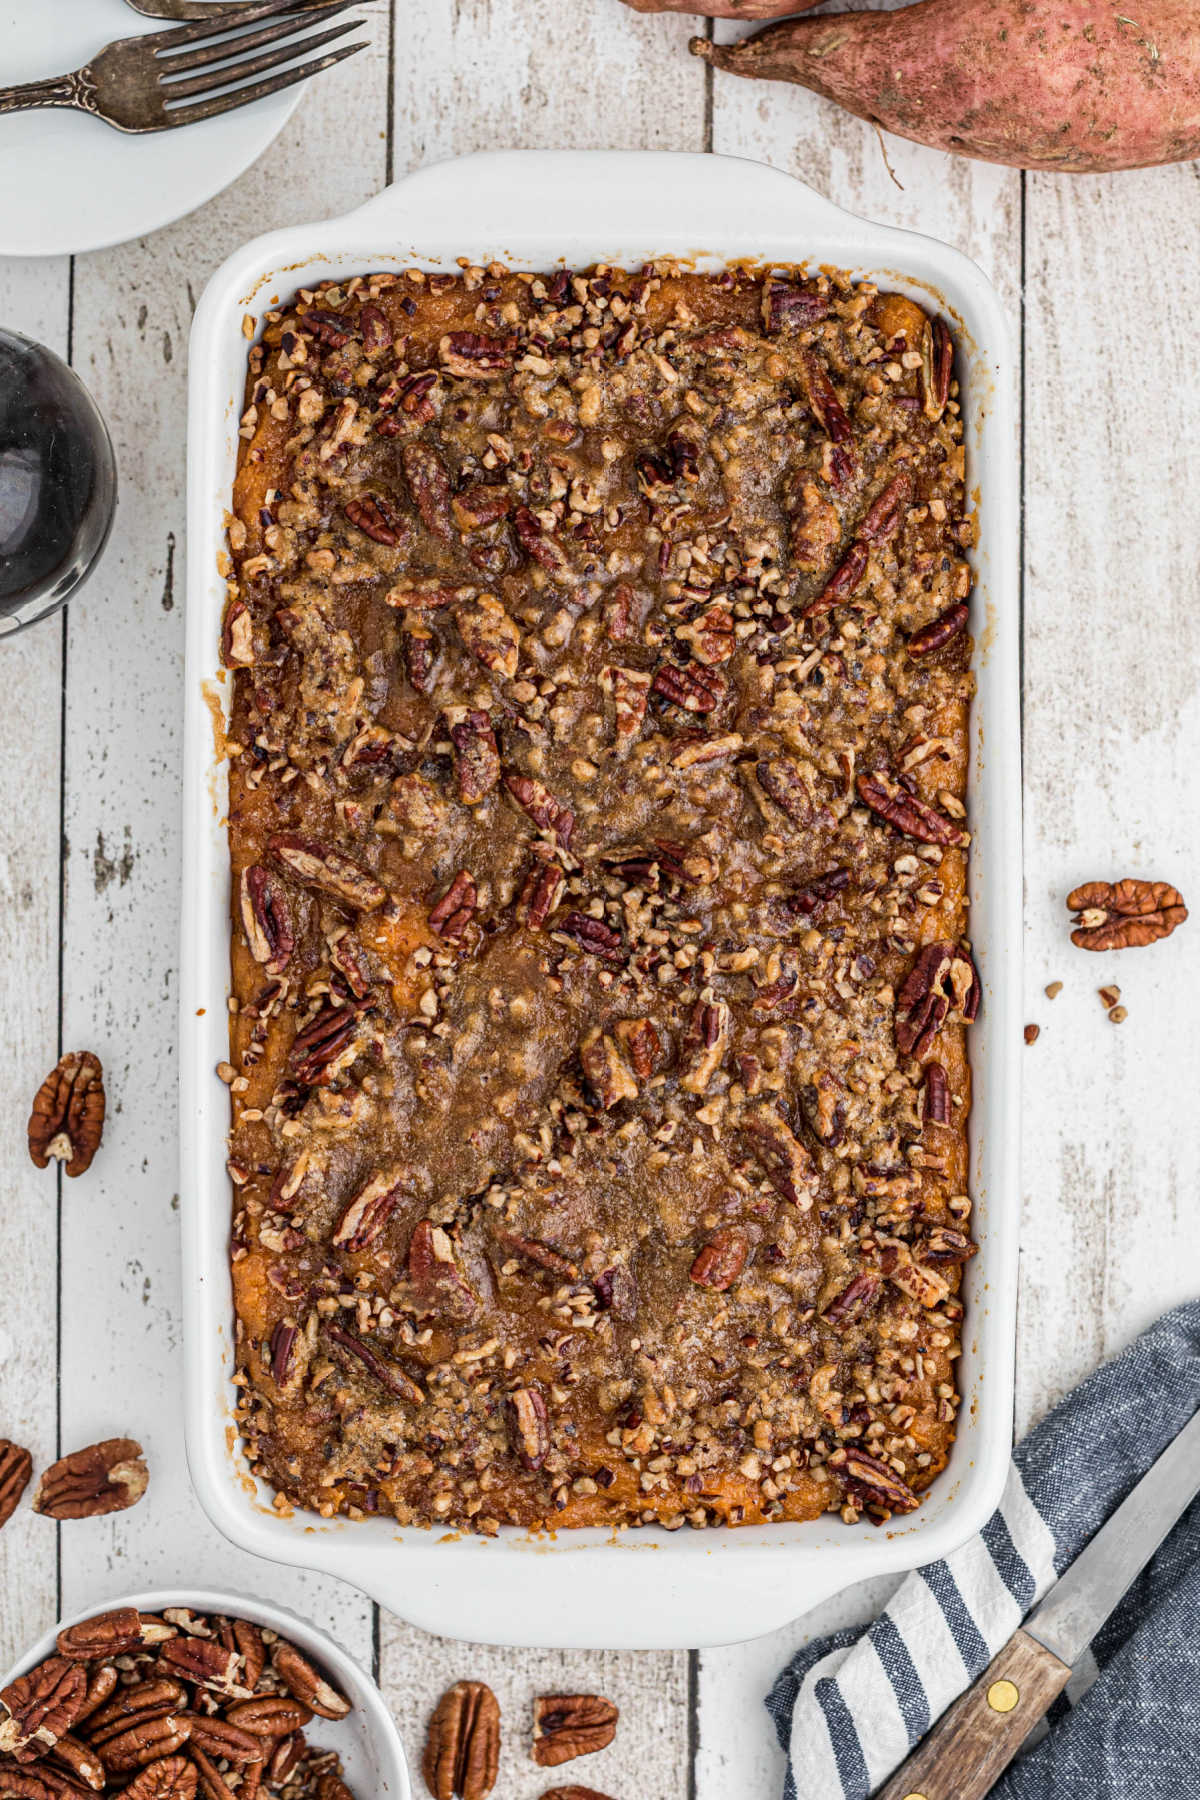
871	1483
855	1300
943	976
347	959
822	1101
921	1284
422	652
475	356
692	749
605	1070
429	485
790	305
328	871
945	1243
104	1478
539	545
322	1042
631	691
711	637
283	1342
462	1751
416	395
901	808
813	529
456	908
842	582
265	919
939	631
40	1707
532	1250
1124	915
527	1411
237	639
641	1045
544	808
720	1261
434	1274
375	519
478	506
705	1045
693	687
16	1471
387	1373
369	1211
782	779
816	892
489	634
786	1163
67	1120
374	329
540	894
569	1725
593	935
477	756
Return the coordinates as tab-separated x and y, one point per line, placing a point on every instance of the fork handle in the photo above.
74	90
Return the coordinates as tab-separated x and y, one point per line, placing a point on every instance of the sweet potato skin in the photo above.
1075	86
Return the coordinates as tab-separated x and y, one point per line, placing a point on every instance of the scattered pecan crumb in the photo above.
1053	990
1109	996
1032	1033
1119	1014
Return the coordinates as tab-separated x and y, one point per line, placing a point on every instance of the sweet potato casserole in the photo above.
598	751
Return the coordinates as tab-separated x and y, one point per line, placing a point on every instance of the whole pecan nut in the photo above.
1124	915
67	1120
306	1683
40	1707
103	1478
569	1725
462	1751
16	1470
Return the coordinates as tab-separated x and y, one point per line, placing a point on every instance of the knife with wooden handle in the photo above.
975	1739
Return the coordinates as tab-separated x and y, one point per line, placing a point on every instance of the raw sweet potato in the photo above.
1076	86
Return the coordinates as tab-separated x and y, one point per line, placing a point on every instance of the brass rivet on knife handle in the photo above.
1002	1696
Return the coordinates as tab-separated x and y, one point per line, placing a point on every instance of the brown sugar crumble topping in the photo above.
600	979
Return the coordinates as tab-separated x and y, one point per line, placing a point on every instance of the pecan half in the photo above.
942	977
40	1708
893	802
842	582
265	919
16	1471
112	1634
827	409
540	893
80	1764
422	652
694	687
705	1045
462	1751
103	1478
816	892
720	1261
374	329
369	1212
641	1044
937	1095
886	511
605	1069
456	908
306	1683
149	1699
268	1715
475	356
569	1725
531	1429
168	1778
944	1243
204	1661
854	1301
785	1162
479	505
318	866
434	1274
789	306
375	519
872	1483
939	631
630	691
388	1374
544	808
67	1120
237	638
329	327
813	529
1124	915
324	1041
937	367
593	935
489	634
781	779
429	485
539	545
532	1250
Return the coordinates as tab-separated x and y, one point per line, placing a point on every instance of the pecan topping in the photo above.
854	1301
375	519
893	802
429	485
705	1045
942	977
593	935
329	327
1124	915
943	1243
67	1120
16	1469
816	892
631	691
462	1751
306	1683
937	367
456	908
782	780
265	920
329	1038
374	330
871	1483
105	1478
369	1212
694	688
40	1707
434	1274
605	1069
789	306
328	871
785	1162
112	1634
474	356
387	1373
720	1261
540	894
842	582
539	545
939	631
489	634
569	1725
527	1410
547	812
167	1778
479	505
641	1044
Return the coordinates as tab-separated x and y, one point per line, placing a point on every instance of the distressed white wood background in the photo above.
1103	289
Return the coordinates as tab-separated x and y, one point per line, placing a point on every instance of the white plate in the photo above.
598	1588
70	183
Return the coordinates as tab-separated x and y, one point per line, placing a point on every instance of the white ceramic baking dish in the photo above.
366	1739
591	1588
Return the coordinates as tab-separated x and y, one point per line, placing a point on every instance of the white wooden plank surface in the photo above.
1112	720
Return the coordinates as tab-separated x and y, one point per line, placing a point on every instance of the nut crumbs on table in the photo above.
598	751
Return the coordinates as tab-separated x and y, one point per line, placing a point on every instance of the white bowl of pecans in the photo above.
178	1695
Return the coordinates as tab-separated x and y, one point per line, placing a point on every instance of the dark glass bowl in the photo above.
58	482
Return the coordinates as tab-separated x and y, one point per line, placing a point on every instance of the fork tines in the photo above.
223	47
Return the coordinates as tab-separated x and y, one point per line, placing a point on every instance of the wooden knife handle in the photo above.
975	1739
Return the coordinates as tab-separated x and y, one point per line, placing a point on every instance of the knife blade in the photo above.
1081	1599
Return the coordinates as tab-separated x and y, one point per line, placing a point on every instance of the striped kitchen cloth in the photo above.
850	1707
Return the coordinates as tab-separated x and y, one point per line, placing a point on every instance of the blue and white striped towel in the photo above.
850	1707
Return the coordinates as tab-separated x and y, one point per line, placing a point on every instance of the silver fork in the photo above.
188	9
141	83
